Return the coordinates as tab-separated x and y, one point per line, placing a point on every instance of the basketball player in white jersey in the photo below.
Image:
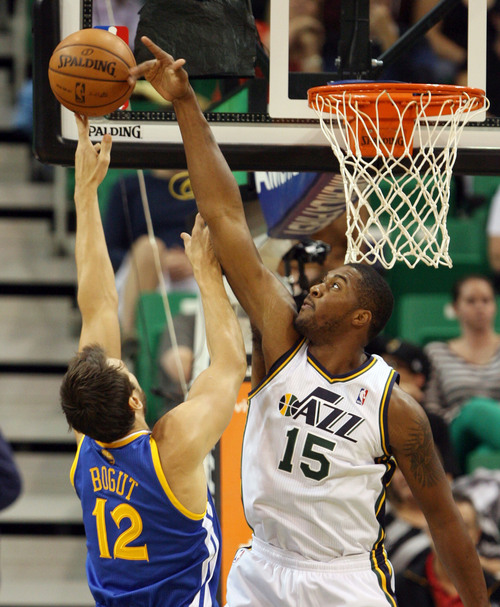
326	422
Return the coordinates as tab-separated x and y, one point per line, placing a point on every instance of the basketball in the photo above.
88	72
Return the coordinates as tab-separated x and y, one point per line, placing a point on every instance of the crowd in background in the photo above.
456	381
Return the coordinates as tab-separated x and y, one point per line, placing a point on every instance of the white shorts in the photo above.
269	577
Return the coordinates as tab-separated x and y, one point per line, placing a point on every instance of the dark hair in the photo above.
411	355
94	396
374	294
457	287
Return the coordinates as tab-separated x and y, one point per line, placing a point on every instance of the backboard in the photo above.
261	123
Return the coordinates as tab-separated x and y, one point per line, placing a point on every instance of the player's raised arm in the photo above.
412	443
266	301
186	434
97	297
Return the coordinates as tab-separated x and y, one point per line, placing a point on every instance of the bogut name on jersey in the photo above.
105	479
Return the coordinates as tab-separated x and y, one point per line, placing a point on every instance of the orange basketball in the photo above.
88	72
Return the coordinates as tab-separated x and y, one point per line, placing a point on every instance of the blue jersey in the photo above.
144	549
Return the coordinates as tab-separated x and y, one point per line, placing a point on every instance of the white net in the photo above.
397	193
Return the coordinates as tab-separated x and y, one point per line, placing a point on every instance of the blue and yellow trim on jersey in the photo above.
75	462
166	487
368	364
114	445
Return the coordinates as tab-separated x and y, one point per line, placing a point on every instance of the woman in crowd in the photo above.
464	386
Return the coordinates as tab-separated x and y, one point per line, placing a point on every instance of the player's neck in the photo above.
339	359
139	425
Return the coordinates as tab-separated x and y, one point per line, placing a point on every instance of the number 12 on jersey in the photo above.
121	549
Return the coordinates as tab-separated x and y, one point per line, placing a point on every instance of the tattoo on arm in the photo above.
419	449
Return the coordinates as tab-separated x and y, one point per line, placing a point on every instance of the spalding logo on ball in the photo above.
88	72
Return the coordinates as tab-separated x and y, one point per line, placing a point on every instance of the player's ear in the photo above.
134	402
361	318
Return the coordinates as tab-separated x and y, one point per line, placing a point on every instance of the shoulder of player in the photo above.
402	404
180	439
405	415
174	422
179	434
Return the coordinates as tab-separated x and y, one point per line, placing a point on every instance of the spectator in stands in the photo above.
389	20
10	478
405	522
425	583
175	364
413	366
191	355
464	385
449	42
306	36
172	208
408	359
493	234
334	235
482	487
421	62
405	525
304	265
451	52
384	29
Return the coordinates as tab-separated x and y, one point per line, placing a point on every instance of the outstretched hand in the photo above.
166	75
91	160
199	248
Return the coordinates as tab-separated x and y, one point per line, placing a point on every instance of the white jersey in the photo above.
318	490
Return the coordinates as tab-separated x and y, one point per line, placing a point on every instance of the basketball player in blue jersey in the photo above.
153	537
327	423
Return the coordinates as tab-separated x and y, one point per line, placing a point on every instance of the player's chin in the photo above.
300	322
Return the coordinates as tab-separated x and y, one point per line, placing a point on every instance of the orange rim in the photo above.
399	93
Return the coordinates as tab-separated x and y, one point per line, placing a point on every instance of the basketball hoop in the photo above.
397	194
